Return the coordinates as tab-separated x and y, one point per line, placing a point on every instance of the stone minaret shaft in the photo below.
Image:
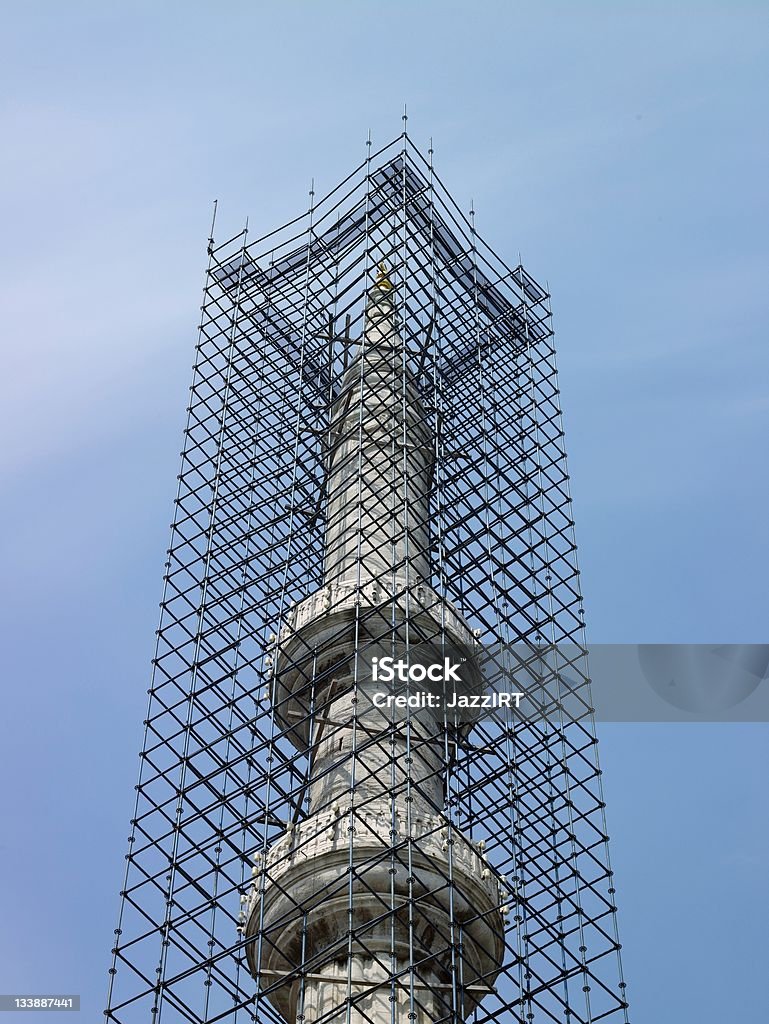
380	462
374	880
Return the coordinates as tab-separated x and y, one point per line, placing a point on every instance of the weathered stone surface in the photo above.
375	879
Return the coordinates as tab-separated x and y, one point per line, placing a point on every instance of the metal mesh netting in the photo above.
373	467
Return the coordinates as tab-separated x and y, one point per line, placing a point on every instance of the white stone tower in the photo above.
373	880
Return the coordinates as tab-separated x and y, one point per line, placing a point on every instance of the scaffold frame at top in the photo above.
373	463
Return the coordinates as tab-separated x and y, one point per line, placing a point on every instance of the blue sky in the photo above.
622	149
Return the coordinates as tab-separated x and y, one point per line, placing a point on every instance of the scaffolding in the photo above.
373	466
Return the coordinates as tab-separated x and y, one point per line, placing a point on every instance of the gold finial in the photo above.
382	279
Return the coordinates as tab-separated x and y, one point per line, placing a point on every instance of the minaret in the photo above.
374	906
381	461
